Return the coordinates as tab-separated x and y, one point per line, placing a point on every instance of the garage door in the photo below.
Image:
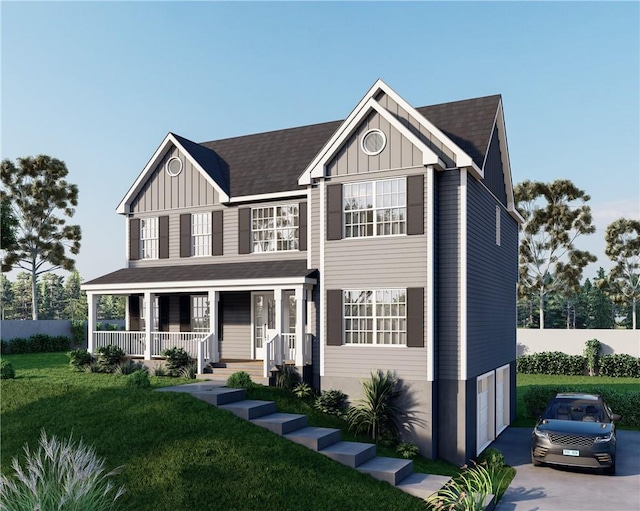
485	430
502	398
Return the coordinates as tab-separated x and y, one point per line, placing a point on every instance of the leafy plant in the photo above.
175	359
189	371
303	390
619	365
4	347
378	411
492	458
592	354
7	371
287	377
333	402
551	362
240	380
109	357
78	331
469	491
408	450
128	367
61	474
39	343
139	379
93	367
160	370
78	359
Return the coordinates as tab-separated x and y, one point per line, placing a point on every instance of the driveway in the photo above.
566	489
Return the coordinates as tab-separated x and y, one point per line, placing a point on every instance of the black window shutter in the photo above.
163	305
415	204
185	313
244	230
334	212
134	312
302	226
163	237
134	239
334	317
415	317
217	238
185	235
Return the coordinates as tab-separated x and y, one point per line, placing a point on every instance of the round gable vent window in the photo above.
174	166
373	142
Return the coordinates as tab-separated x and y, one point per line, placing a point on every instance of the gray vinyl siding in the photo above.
236	338
230	240
493	169
492	273
162	192
448	274
314	227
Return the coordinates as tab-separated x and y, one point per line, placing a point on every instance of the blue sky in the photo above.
99	85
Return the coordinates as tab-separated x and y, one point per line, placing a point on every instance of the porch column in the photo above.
214	349
149	299
278	297
92	315
301	304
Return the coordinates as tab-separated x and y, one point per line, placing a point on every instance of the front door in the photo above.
263	319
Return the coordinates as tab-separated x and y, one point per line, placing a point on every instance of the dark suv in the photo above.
576	430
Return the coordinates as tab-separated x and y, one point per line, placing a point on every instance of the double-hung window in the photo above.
275	228
201	234
375	316
375	208
149	238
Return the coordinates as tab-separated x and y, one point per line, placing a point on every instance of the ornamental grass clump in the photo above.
469	491
60	475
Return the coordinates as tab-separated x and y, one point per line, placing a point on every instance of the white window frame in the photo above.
275	228
149	238
377	320
200	234
367	220
200	316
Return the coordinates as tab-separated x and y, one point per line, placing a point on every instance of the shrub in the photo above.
303	390
78	331
60	475
467	491
128	367
287	377
189	371
19	345
551	362
109	357
239	380
333	402
39	343
4	347
78	359
7	371
139	379
591	355
378	411
93	367
160	370
175	359
408	450
619	365
492	458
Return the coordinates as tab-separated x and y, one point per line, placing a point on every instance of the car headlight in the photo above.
541	434
604	438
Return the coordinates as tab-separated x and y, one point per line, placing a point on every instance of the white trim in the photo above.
506	163
168	165
506	405
490	376
309	228
431	268
321	328
366	135
462	293
268	196
124	206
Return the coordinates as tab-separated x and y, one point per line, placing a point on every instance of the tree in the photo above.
555	214
38	193
600	310
6	298
8	224
623	248
22	301
51	296
75	299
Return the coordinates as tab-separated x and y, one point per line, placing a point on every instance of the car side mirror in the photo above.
616	417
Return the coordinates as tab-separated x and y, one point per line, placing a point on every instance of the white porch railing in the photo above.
132	343
289	346
273	352
161	341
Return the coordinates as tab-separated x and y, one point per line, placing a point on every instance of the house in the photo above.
388	240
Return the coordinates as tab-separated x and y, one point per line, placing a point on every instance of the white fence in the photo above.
132	343
572	342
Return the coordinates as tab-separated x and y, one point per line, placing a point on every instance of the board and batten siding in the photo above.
493	169
230	240
492	273
448	274
161	192
236	338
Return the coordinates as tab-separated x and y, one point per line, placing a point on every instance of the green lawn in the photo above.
178	453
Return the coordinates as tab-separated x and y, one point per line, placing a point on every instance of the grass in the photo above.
526	381
178	453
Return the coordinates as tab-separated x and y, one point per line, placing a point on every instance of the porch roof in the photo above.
203	275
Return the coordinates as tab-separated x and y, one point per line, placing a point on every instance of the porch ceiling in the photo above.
204	274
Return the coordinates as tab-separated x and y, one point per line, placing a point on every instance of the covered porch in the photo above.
258	311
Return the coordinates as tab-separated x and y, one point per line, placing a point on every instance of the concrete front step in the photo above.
315	438
422	485
391	470
351	454
250	409
221	395
282	423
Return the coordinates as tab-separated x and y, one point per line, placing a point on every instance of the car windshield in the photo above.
575	410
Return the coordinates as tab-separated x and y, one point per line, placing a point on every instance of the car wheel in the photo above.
535	462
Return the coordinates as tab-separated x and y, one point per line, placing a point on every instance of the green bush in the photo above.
139	379
4	347
408	450
160	370
6	370
240	380
551	362
333	402
303	390
78	331
189	371
19	345
619	365
493	458
175	360
78	359
287	377
39	343
128	367
109	357
592	355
